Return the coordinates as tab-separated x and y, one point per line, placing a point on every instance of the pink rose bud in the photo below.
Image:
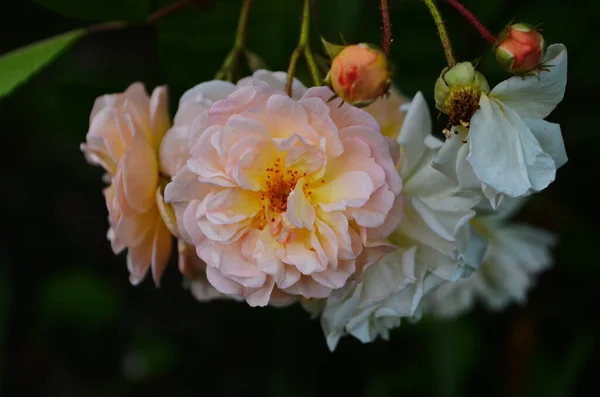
359	74
520	48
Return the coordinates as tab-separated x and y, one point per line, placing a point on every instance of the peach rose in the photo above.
283	197
124	136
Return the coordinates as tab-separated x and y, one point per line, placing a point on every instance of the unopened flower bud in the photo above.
359	74
457	92
520	48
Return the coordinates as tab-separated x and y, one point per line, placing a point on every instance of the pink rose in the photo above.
284	197
124	136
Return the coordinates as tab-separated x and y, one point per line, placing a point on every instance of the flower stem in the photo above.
441	27
386	39
242	29
303	48
485	33
230	65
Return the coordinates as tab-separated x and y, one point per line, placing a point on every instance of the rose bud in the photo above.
457	92
359	74
520	48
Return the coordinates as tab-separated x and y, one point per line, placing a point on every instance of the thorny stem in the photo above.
386	38
441	27
230	64
303	48
152	19
485	33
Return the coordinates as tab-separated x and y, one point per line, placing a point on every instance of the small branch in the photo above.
152	19
107	26
168	10
230	65
441	27
485	33
386	39
303	48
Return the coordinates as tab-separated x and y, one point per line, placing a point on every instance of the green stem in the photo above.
228	69
242	29
303	48
441	27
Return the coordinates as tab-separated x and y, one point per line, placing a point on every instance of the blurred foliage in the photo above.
71	323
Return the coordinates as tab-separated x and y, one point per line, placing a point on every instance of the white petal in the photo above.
504	153
536	96
451	161
550	139
416	127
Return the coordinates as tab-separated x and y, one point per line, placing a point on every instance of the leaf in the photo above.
19	65
99	10
332	49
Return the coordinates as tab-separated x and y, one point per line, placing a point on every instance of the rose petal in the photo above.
536	96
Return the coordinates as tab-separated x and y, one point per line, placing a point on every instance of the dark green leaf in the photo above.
19	65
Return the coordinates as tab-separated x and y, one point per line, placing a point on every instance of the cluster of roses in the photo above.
359	214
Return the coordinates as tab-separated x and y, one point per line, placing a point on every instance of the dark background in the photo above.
72	325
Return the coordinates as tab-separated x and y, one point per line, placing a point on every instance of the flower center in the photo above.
461	104
279	184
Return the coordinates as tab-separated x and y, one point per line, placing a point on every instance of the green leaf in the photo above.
99	10
19	65
332	49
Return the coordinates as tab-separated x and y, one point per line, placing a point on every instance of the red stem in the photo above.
386	39
485	33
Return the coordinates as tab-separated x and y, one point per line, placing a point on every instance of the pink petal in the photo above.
261	296
205	160
300	211
140	175
319	118
391	223
345	115
375	211
174	151
160	120
222	284
381	152
309	288
161	251
351	189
